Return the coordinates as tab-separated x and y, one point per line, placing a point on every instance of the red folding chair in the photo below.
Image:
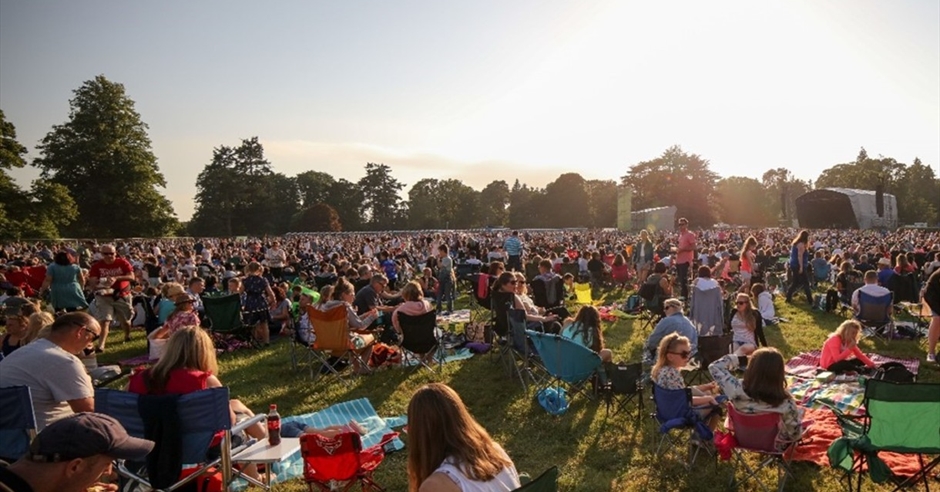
757	433
337	463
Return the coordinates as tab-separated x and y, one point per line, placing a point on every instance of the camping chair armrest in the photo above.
244	424
845	421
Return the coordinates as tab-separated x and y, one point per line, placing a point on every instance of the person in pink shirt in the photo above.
415	304
685	254
840	353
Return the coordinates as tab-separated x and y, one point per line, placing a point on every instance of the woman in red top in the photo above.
840	353
748	257
189	365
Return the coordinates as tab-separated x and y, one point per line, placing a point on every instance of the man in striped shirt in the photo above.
513	247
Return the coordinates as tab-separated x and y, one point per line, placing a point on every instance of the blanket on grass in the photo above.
340	414
807	363
825	430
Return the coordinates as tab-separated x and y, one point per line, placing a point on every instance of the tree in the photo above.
782	188
440	204
918	202
102	156
38	213
346	197
314	187
675	178
566	201
525	206
744	201
494	203
318	217
602	202
381	204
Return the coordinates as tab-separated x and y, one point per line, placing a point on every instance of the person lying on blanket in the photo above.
763	389
840	353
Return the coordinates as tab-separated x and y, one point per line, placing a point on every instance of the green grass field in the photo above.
593	452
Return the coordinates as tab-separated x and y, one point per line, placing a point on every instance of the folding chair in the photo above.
904	287
757	433
652	310
624	384
338	463
331	344
225	315
321	281
550	295
571	268
546	482
707	312
421	338
582	292
874	313
566	362
845	301
480	302
299	347
709	350
674	411
899	417
531	271
202	415
517	352
17	422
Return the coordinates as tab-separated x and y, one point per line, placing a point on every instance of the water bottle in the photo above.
274	426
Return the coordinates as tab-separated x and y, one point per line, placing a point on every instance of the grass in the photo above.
593	452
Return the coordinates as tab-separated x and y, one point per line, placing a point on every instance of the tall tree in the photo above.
744	201
346	197
494	203
602	202
314	187
920	200
675	178
442	204
102	155
37	213
381	204
318	217
782	189
566	200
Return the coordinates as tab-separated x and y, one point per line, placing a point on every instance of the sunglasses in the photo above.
685	354
513	282
107	254
94	336
741	303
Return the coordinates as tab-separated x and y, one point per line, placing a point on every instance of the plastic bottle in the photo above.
274	426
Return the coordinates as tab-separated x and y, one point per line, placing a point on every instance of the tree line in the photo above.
100	178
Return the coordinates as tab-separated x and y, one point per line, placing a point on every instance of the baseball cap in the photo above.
83	435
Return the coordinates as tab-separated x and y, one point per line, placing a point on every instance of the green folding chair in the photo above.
225	315
546	482
901	418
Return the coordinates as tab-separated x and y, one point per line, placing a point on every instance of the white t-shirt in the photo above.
53	376
505	481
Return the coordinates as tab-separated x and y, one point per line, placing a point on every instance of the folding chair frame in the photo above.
686	434
517	353
331	331
780	459
881	328
553	360
624	384
424	328
17	421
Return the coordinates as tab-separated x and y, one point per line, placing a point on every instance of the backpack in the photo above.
819	302
894	372
384	355
832	300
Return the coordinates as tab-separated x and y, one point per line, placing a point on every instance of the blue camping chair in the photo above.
674	412
202	415
17	422
568	363
874	313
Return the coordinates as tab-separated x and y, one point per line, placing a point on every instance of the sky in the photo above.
489	89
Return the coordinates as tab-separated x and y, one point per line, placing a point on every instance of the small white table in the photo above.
262	452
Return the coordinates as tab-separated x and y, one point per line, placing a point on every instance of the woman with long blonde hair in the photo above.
449	451
840	353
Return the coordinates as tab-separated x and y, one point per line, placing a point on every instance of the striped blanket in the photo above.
807	363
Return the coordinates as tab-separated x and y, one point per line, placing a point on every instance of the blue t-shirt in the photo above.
584	339
391	270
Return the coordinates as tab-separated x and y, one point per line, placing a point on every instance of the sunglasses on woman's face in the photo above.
741	303
685	354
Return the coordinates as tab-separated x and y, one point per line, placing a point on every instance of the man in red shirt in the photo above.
110	278
684	256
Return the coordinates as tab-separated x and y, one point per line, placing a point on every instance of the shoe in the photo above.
932	358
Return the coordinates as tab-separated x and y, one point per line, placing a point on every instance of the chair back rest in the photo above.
223	311
540	292
571	268
480	288
329	459
583	293
17	422
501	302
904	417
322	281
331	328
904	287
563	358
531	271
755	432
708	313
713	348
874	309
516	321
671	404
202	414
546	482
624	379
418	331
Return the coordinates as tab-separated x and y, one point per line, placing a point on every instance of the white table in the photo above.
263	453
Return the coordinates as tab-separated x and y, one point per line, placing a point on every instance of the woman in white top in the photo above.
449	451
765	303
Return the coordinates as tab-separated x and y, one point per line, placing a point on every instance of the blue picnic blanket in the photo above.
340	414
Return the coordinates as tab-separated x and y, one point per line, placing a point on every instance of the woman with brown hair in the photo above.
763	389
747	326
258	300
449	451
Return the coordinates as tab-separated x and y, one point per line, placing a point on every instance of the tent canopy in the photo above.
845	208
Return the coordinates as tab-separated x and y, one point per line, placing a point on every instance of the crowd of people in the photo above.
61	299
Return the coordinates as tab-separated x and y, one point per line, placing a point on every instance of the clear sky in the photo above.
489	89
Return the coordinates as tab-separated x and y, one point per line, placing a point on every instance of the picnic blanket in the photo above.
340	414
825	430
807	363
847	397
458	316
611	313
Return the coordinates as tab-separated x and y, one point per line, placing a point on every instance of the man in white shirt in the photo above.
871	288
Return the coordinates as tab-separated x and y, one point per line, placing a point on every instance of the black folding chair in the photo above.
624	384
420	339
